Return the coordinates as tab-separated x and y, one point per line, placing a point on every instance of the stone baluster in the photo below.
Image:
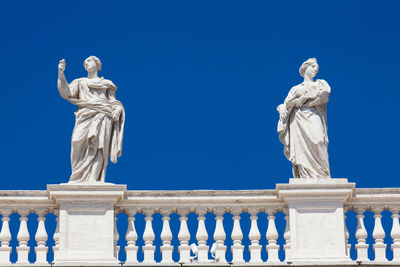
23	236
41	238
286	235
379	234
116	235
395	233
361	235
131	236
166	237
272	237
202	236
56	235
5	237
347	235
219	235
148	237
254	236
184	237
237	236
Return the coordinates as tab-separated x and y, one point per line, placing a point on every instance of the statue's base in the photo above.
318	181
86	221
316	219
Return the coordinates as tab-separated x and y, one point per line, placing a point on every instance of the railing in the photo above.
371	241
186	227
198	238
24	203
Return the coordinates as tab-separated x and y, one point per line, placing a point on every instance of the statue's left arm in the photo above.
118	116
321	95
117	106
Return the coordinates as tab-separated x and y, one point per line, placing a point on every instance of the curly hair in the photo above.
96	60
307	63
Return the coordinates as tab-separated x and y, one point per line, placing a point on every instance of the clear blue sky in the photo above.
200	82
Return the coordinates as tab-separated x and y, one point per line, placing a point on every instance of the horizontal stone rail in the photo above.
206	227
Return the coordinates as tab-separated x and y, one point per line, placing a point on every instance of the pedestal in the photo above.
317	230
5	255
86	221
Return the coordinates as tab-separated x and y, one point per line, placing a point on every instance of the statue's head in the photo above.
309	68
92	63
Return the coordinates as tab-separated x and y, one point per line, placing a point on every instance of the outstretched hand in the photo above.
61	65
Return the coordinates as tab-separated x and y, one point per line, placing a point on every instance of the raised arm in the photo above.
62	84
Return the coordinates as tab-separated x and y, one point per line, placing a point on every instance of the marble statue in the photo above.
99	124
302	125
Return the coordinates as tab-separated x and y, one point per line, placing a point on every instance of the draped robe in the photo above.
95	137
303	130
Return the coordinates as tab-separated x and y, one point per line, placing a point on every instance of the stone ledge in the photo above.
87	192
305	264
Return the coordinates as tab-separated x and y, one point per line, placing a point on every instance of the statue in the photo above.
99	124
302	125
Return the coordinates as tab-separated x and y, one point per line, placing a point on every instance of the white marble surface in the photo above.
86	222
317	218
99	125
315	206
302	125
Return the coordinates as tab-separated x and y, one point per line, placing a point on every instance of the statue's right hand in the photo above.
61	65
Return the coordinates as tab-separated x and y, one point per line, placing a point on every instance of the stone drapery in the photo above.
302	129
95	136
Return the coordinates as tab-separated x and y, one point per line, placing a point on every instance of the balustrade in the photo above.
376	201
203	203
201	250
23	236
198	241
378	235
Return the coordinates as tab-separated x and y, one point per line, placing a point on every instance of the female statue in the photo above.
99	123
302	125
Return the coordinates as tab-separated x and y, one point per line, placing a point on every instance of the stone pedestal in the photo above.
316	219
5	255
86	221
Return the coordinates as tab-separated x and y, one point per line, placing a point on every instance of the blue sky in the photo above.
200	82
